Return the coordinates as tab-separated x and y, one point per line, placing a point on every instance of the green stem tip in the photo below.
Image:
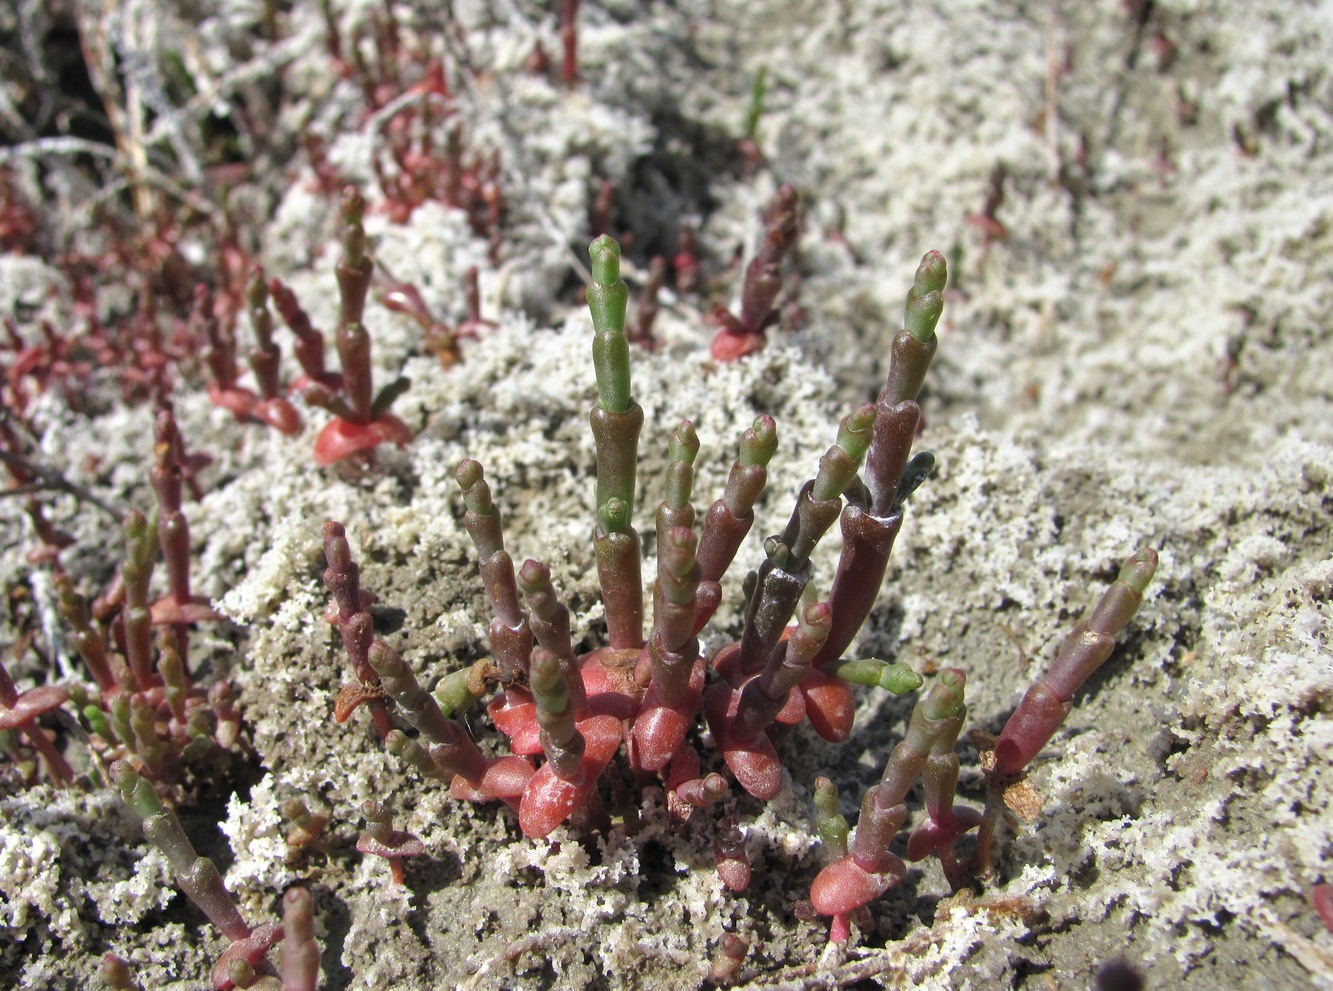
608	297
925	300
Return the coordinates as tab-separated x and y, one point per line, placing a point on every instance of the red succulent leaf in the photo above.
728	346
930	836
659	730
504	780
844	886
609	682
278	414
333	381
514	714
167	611
400	844
735	874
726	664
253	949
549	799
793	710
754	762
239	402
341	438
31	704
830	704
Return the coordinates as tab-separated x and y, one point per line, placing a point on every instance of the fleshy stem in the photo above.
86	637
173	531
219	342
451	749
608	297
678	573
19	713
669	705
1048	702
763	276
870	868
354	272
342	577
818	505
560	739
729	519
197	876
380	839
549	621
941	710
872	519
910	357
941	831
673	646
783	576
265	358
510	635
764	695
832	824
616	421
309	346
896	677
135	573
300	952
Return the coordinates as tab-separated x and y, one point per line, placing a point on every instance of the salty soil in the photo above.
1135	350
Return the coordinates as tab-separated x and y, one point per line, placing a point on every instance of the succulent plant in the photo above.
644	692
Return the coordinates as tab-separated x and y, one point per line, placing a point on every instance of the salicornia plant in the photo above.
866	868
568	714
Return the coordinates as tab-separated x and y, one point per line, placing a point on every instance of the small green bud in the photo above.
1137	572
925	300
97	722
604	252
832	824
136	790
684	444
451	692
897	678
760	442
614	515
945	698
608	297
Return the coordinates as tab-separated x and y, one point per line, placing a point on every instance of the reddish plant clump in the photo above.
645	693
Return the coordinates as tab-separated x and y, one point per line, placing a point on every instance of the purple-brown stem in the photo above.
1049	701
21	711
763	276
729	519
309	347
764	695
300	952
85	636
569	42
265	358
1088	645
356	628
548	619
511	637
